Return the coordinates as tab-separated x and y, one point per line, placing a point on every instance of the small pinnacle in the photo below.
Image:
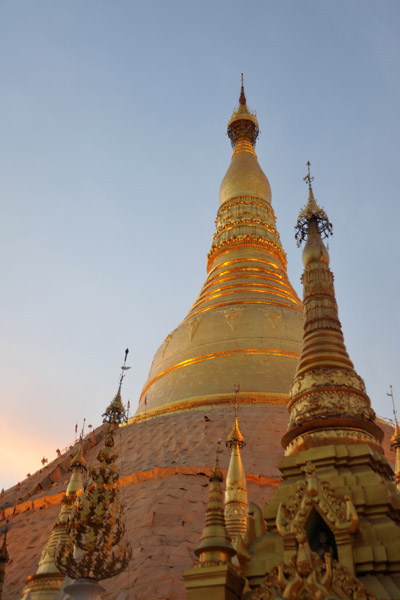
308	179
242	99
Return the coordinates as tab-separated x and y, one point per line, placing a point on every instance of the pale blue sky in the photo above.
112	148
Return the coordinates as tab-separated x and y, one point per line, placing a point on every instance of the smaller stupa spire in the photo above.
47	580
327	399
236	504
4	558
312	215
115	412
242	97
215	545
96	525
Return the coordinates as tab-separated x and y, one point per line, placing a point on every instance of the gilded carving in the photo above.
331	436
193	325
308	577
338	512
323	377
231	315
329	403
273	317
166	342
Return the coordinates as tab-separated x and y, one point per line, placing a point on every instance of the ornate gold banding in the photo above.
247	242
246	223
248	259
244	145
210	401
218	280
212	295
226	353
246	200
236	302
322	432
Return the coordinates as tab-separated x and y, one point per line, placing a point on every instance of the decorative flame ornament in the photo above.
96	548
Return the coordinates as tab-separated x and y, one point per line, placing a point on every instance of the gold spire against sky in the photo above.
246	323
333	521
327	398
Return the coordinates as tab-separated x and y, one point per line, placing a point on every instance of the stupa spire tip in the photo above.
115	412
242	98
311	212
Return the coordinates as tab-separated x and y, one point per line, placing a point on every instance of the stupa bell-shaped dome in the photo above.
246	325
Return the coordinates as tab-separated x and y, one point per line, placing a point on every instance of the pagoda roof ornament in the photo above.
116	412
235	437
311	212
96	525
78	461
215	544
236	502
243	124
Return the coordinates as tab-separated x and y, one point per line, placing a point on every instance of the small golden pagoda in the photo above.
333	524
95	547
214	576
47	581
246	323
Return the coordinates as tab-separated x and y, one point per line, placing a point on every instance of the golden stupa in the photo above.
246	324
245	328
332	528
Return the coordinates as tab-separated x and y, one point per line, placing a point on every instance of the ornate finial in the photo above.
390	394
235	437
78	461
96	525
242	98
311	213
216	472
115	412
308	179
236	389
243	124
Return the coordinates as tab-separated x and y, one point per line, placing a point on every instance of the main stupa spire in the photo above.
246	323
328	402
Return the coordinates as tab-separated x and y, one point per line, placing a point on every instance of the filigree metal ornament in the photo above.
338	512
116	413
311	212
96	548
308	577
